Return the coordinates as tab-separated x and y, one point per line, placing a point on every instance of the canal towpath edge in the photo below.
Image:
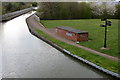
33	24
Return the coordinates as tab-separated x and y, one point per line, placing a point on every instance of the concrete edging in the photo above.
15	14
69	53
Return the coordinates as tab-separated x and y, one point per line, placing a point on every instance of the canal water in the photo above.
0	51
25	56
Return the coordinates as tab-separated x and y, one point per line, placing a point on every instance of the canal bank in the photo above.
26	56
12	15
65	51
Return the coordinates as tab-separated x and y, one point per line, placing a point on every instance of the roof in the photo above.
72	30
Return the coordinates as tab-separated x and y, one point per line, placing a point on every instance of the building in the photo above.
72	34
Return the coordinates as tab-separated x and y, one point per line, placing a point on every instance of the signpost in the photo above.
107	23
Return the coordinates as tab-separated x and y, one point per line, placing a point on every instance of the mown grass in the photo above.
96	33
97	59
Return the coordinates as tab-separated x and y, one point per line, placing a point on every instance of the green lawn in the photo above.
97	59
96	33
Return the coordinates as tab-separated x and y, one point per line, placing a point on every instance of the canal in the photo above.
25	56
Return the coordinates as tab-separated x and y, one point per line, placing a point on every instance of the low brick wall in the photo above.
31	29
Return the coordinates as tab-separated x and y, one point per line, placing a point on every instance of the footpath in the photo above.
47	31
15	14
33	24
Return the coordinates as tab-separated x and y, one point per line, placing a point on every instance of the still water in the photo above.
25	56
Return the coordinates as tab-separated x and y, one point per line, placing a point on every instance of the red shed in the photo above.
72	34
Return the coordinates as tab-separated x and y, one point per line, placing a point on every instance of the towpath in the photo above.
52	33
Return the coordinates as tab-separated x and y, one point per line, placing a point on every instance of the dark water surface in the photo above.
25	56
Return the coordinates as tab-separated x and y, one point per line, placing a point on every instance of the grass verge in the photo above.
96	33
96	59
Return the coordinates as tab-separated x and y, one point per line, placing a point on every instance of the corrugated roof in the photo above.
72	30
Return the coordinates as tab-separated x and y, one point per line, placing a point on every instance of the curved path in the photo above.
12	15
25	56
54	35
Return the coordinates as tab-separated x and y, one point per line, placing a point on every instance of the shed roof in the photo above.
72	30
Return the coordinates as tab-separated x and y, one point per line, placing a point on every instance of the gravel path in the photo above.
52	34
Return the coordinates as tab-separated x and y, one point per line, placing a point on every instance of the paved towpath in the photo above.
39	26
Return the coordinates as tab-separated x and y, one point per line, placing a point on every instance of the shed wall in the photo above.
82	37
67	34
74	37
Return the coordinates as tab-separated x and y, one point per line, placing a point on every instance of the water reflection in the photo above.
25	56
0	51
